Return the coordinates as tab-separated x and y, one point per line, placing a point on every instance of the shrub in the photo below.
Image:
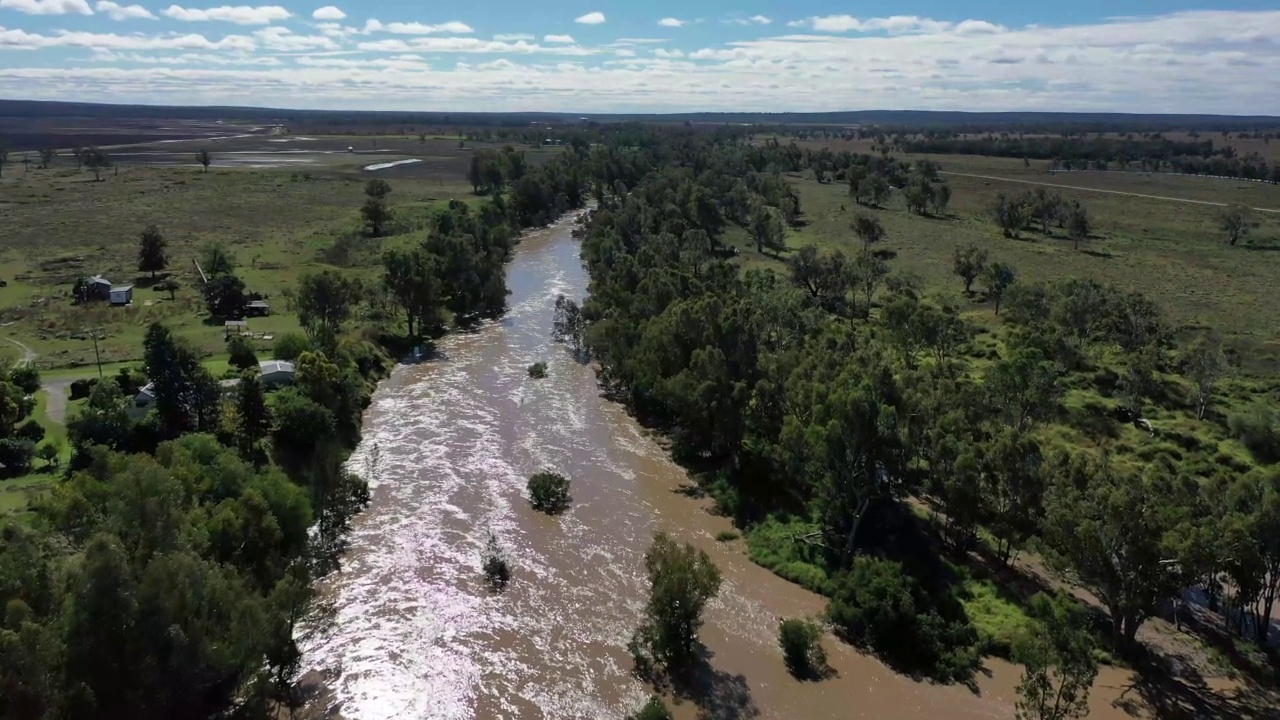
290	345
727	536
81	389
16	455
27	378
655	709
877	606
549	492
242	354
1259	430
682	580
801	642
497	571
49	453
130	381
30	430
538	370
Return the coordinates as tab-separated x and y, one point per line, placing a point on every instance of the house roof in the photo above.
121	288
99	280
149	390
259	303
237	323
272	366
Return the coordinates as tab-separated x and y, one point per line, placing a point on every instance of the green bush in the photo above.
497	571
16	455
776	545
801	642
81	389
999	622
879	607
655	709
1259	429
290	345
549	493
27	378
727	536
242	354
538	370
30	430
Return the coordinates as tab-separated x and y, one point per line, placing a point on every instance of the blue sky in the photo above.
661	56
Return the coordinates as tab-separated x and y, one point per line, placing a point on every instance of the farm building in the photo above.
258	308
121	295
235	327
276	372
99	288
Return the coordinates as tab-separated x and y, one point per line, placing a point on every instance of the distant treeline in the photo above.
967	122
1148	152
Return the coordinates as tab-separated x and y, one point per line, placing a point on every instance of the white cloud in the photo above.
664	53
329	12
284	40
471	45
124	12
978	27
559	39
1170	63
239	14
417	28
760	19
753	20
671	22
591	18
48	7
512	37
835	23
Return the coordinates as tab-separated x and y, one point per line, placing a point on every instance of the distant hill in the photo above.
11	110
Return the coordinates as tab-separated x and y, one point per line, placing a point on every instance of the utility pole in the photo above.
94	334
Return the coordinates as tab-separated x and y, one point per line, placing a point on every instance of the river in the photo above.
415	632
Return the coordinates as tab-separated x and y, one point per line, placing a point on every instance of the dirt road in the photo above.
1100	190
28	355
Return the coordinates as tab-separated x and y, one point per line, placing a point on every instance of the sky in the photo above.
1203	56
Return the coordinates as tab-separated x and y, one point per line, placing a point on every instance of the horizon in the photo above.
675	113
1130	56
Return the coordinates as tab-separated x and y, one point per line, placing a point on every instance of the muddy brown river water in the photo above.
416	634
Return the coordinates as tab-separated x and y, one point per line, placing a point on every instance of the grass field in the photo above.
279	224
1172	251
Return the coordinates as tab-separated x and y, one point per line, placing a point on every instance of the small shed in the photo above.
258	308
121	295
275	373
235	327
99	288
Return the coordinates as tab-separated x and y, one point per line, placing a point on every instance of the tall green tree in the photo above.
325	300
768	228
205	158
412	278
682	579
1205	365
1057	661
375	211
253	417
1236	221
1112	527
997	278
152	256
868	229
968	263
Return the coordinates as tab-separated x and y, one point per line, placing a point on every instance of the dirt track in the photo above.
1100	190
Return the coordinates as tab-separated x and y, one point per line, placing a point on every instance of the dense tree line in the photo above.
165	574
820	401
1149	153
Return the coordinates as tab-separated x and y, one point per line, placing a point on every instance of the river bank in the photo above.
449	445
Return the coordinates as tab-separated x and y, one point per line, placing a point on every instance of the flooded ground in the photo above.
449	446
